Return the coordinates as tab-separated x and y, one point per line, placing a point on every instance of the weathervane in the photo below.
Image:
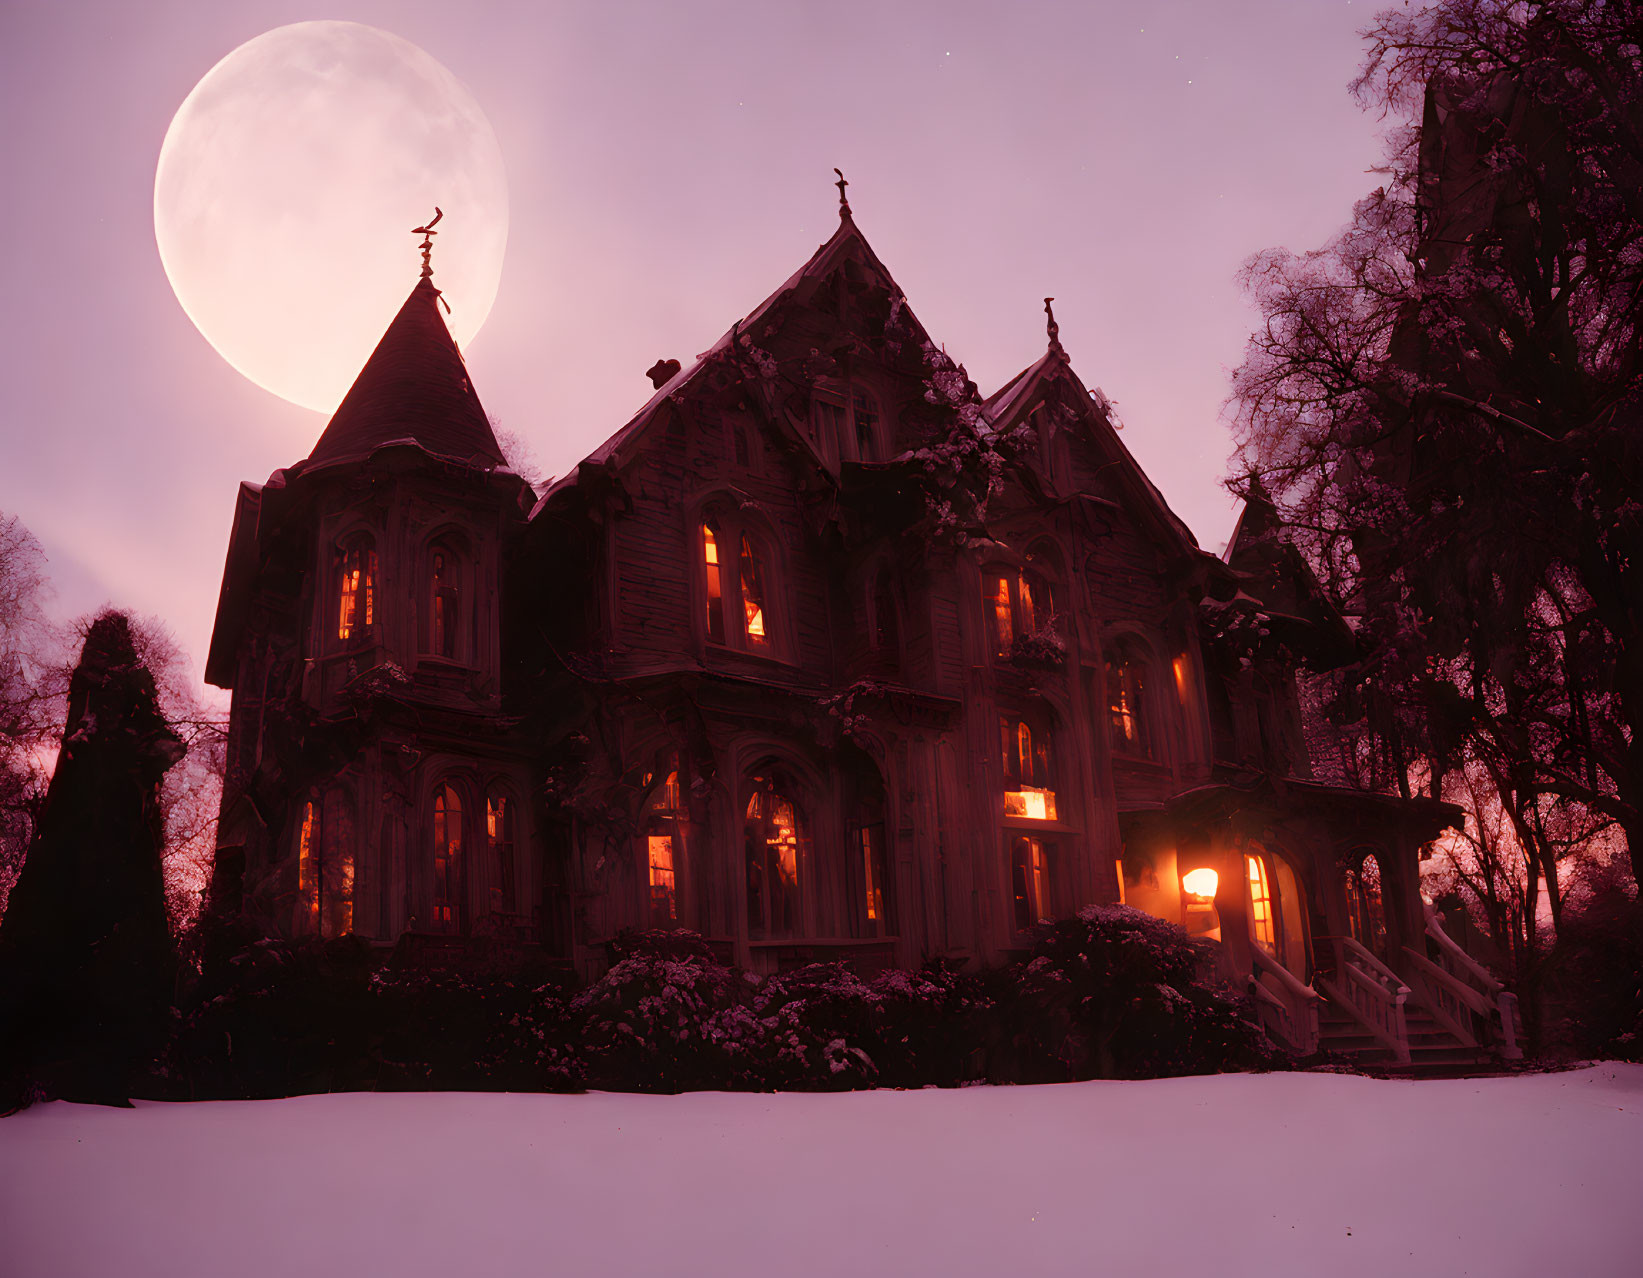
1052	328
427	233
844	204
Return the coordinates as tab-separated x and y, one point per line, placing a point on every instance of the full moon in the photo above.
287	187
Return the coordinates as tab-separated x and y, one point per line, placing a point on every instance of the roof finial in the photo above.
844	203
1053	329
427	233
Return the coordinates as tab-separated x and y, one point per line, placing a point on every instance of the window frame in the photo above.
324	813
1149	744
745	534
774	782
686	847
344	631
839	430
1033	730
1025	584
454	546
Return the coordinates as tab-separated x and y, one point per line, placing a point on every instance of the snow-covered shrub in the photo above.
659	1019
1117	993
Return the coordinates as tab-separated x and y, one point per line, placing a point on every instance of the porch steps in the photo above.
1433	1051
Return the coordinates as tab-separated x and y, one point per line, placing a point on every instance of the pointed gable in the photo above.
414	387
845	246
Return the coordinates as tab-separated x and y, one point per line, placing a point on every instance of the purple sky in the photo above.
669	165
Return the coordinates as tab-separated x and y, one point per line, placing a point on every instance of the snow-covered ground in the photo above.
1277	1174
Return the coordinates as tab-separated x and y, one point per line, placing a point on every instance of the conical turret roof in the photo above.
415	386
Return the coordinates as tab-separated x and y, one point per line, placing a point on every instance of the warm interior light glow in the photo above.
1201	883
1182	673
1030	802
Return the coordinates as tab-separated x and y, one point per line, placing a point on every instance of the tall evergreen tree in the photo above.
86	957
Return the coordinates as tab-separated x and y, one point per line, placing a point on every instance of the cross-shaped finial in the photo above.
1052	328
844	203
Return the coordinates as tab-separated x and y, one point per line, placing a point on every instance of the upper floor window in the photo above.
445	592
851	421
1129	709
325	865
356	588
1018	602
737	579
1029	776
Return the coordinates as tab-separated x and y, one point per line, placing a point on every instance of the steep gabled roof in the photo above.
1003	407
415	386
822	262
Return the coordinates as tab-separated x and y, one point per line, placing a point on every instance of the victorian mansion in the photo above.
772	666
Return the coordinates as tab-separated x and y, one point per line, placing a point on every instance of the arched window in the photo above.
325	865
499	849
1029	772
1030	881
445	616
712	540
666	846
1129	710
1365	910
1019	602
447	858
356	589
1264	919
777	847
737	585
1000	602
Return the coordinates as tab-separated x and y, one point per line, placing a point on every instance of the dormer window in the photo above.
356	589
736	581
865	422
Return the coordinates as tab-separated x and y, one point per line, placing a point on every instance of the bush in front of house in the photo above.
1117	993
1113	993
665	1018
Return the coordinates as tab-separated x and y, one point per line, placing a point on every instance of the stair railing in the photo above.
1371	993
1287	1008
1459	981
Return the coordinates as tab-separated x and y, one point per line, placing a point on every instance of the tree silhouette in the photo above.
86	960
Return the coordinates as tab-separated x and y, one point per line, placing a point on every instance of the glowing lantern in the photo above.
1201	883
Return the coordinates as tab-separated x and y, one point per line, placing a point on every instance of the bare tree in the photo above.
32	687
